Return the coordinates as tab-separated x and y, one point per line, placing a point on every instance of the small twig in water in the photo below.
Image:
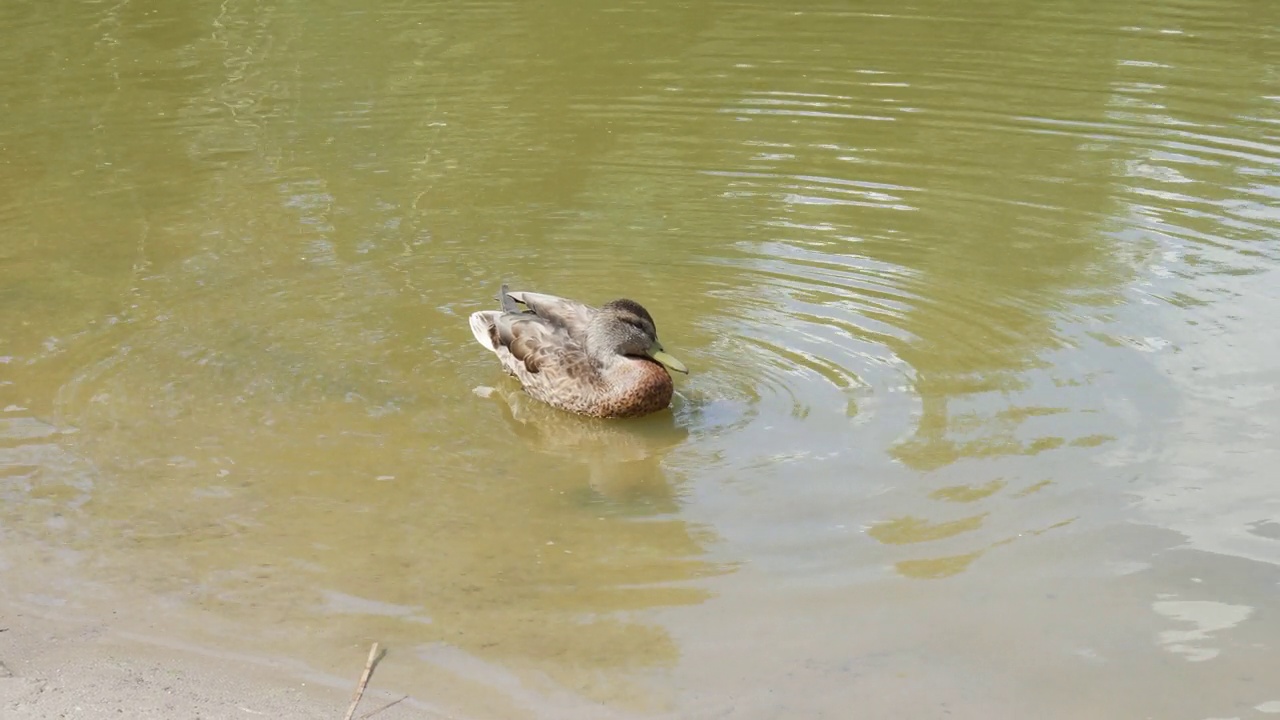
371	713
364	681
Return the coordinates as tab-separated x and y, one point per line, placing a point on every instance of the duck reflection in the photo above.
623	459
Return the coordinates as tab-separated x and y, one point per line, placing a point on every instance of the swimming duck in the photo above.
603	362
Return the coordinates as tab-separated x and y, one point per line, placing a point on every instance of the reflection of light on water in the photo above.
1212	485
25	428
908	530
340	603
528	694
1207	616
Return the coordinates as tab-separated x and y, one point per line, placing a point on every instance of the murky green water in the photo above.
980	304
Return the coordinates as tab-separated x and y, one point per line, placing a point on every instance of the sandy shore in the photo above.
59	667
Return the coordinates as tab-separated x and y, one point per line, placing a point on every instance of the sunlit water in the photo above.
980	304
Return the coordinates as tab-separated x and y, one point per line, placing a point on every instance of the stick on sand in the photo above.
364	682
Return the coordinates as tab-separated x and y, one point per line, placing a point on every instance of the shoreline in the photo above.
52	666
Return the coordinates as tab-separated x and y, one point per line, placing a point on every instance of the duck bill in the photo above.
657	353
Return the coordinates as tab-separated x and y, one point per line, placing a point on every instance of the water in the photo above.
978	303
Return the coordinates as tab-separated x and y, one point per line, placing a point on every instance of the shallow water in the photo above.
978	301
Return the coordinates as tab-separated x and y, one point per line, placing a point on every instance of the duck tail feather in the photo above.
508	302
482	326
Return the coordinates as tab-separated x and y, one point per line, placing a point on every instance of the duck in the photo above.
603	362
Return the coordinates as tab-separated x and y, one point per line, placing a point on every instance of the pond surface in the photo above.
979	302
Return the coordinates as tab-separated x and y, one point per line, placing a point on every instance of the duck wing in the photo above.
570	315
531	341
533	349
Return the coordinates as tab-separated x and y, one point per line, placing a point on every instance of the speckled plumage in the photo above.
586	360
